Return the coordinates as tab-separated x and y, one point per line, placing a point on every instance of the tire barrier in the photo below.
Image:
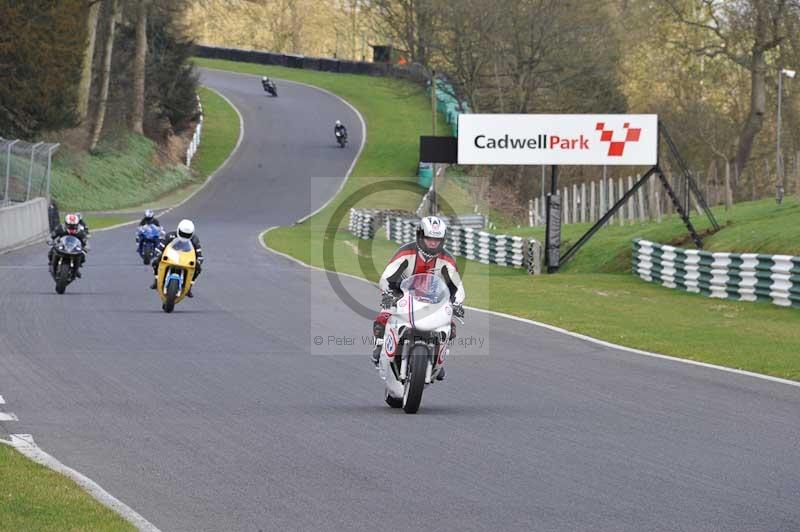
473	244
736	276
364	222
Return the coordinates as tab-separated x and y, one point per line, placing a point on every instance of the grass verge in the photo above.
126	175
613	306
33	497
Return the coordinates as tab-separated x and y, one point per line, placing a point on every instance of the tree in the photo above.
105	76
84	88
41	48
139	62
743	32
411	23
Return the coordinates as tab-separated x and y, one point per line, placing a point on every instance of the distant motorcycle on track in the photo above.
147	237
67	258
269	87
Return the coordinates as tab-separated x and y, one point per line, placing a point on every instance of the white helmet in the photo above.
430	227
263	78
186	229
148	213
338	123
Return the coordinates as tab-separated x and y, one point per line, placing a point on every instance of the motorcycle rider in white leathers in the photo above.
425	255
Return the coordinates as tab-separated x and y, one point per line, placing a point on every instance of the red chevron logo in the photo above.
617	147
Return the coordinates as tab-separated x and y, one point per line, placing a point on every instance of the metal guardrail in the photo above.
737	276
24	170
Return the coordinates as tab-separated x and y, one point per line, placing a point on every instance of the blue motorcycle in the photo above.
148	237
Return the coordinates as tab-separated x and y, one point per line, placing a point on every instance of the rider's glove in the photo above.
388	300
458	310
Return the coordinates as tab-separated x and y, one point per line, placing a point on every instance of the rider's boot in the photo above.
189	293
440	375
378	330
376	353
153	286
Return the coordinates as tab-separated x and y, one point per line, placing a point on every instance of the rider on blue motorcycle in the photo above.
148	219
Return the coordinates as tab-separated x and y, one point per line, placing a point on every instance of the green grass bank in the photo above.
127	174
33	497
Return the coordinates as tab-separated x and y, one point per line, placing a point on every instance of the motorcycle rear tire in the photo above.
147	255
172	294
63	278
415	381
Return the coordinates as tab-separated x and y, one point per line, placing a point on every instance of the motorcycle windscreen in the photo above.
427	302
426	288
150	231
70	244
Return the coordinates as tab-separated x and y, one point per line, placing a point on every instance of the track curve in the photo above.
219	418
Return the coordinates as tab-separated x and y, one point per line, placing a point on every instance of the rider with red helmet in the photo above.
71	226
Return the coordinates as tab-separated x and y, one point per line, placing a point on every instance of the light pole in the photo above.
778	159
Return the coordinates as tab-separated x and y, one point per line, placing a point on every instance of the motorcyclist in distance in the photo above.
149	218
71	227
339	129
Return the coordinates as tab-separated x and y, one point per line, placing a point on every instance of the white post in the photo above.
591	203
530	213
621	191
640	195
631	202
658	205
583	202
565	206
576	202
610	203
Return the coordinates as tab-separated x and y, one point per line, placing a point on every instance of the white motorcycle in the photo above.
416	340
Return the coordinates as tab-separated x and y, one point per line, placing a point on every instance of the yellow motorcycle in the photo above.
175	272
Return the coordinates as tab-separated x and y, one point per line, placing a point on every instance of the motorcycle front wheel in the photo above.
62	280
415	381
172	294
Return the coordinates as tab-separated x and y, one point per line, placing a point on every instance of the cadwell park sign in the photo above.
557	139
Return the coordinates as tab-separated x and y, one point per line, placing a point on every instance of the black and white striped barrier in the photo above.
488	248
738	276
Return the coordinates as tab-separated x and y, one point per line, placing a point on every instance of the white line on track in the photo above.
8	417
2	401
24	443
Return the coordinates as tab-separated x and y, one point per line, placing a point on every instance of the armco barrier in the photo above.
23	223
737	276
